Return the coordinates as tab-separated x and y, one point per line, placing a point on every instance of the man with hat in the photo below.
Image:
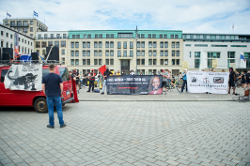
91	80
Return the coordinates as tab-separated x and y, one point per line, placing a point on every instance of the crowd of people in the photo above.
235	79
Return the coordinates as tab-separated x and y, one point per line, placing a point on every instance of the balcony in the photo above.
42	29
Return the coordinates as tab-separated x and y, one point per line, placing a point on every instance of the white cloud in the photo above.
190	16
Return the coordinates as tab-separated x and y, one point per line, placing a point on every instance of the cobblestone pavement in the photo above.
170	96
129	133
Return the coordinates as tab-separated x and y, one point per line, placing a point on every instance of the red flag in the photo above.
102	69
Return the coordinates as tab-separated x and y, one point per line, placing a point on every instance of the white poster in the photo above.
212	82
26	77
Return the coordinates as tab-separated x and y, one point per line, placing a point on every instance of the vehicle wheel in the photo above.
40	105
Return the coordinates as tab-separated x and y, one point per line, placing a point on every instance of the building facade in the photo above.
201	49
7	38
28	26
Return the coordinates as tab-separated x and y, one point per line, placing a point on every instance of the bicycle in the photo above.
178	85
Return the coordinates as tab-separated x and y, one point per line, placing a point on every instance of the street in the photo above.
129	133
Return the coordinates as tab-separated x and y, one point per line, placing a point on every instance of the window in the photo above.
149	44
166	44
83	53
107	61
72	53
2	44
197	54
89	36
73	36
200	45
37	44
142	53
107	45
213	54
63	60
100	53
95	44
88	53
63	43
125	35
150	62
154	62
107	36
165	36
173	53
161	45
111	44
2	33
176	36
177	53
138	61
119	45
173	44
76	61
154	53
95	61
107	53
7	35
138	45
161	61
72	62
238	45
100	61
78	36
196	63
230	54
154	44
88	61
63	51
173	61
138	53
197	36
100	36
131	45
118	53
112	36
57	43
188	45
154	36
72	44
19	23
112	53
111	61
100	44
232	37
45	36
142	61
96	36
84	62
172	36
31	22
31	29
212	36
95	53
149	36
58	36
142	44
83	45
88	44
124	45
177	45
131	53
161	36
64	36
142	36
150	53
44	44
204	36
52	36
218	45
177	61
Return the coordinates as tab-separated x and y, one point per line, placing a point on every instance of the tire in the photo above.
178	86
40	105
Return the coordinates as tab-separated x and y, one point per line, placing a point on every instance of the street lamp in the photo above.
136	38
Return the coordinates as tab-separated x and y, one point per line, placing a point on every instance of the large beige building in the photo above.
27	26
117	49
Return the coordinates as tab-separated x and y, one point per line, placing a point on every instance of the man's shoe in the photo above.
88	91
233	93
51	127
62	126
102	93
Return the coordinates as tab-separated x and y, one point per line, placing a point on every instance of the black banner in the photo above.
134	85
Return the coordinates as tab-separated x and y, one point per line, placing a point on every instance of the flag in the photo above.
102	69
242	57
8	14
233	26
35	14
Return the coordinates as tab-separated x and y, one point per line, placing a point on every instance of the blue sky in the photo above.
192	16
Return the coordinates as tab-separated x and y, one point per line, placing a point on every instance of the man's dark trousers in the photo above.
91	83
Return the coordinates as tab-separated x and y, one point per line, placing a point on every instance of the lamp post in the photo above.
136	38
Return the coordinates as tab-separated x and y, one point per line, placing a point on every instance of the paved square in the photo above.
129	133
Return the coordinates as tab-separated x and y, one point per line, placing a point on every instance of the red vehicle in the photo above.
37	99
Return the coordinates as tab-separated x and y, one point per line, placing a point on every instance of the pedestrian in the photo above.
118	73
243	80
77	76
184	78
164	80
123	73
91	80
106	74
52	86
231	81
248	78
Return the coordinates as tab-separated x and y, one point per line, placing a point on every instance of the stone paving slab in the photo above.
129	133
171	96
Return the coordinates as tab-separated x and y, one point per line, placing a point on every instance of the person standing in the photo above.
52	86
243	80
105	76
164	80
77	81
248	79
184	78
231	81
91	80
